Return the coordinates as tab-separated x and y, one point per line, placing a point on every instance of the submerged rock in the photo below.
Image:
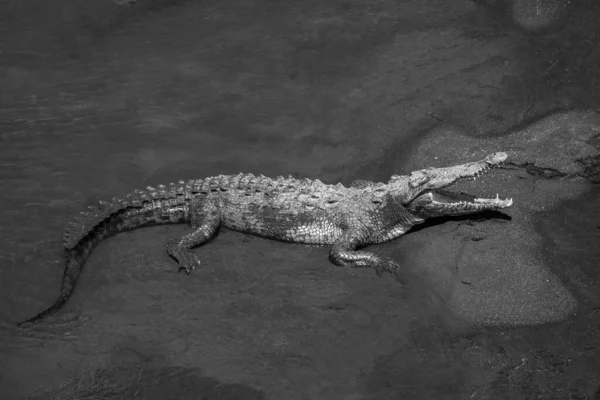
494	273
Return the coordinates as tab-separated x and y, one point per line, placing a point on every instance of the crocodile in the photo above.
287	209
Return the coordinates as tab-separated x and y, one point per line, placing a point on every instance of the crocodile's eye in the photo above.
417	178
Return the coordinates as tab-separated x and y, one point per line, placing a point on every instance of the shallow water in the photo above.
98	100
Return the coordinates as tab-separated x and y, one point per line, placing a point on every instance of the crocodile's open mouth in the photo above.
434	203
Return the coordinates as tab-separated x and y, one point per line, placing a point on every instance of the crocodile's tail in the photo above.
167	204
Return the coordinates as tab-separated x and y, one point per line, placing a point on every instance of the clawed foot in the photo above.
187	260
188	263
389	266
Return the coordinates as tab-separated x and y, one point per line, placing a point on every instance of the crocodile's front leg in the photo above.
205	218
344	253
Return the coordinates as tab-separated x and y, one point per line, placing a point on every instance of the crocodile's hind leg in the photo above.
205	220
344	254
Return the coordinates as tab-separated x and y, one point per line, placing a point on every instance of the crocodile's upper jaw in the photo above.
439	178
438	203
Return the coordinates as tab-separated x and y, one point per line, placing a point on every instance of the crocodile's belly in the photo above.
307	227
317	232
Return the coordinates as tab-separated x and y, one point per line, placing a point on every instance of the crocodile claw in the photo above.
188	270
188	261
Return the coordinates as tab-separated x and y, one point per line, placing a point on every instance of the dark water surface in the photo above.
98	99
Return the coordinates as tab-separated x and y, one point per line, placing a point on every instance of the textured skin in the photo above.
299	211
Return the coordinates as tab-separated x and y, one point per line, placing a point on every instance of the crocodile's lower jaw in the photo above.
478	204
496	203
441	203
